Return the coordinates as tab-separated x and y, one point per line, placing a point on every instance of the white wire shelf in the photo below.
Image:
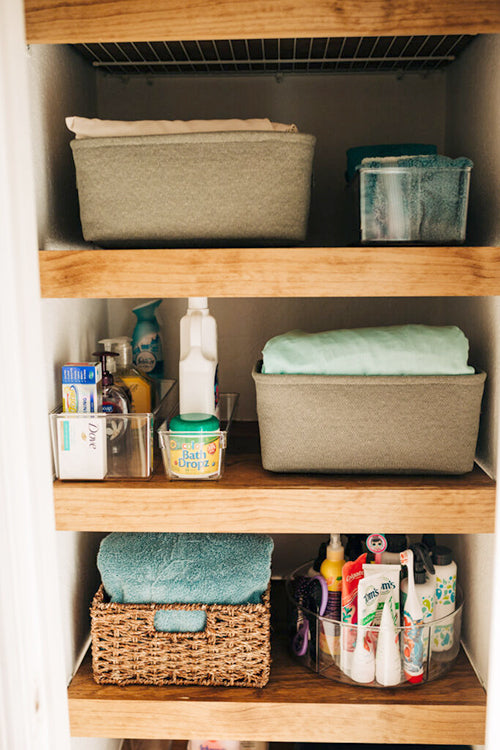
399	54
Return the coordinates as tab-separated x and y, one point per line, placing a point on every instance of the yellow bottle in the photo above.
331	570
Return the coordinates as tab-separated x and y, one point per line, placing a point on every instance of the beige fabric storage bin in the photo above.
194	187
377	424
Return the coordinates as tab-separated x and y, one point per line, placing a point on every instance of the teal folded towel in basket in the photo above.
169	568
391	350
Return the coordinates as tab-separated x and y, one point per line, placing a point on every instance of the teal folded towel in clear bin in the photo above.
356	154
412	349
167	568
414	198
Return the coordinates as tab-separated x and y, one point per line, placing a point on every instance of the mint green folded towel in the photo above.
390	350
185	568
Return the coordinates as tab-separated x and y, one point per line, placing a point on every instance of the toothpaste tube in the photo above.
373	591
352	573
391	580
363	659
388	658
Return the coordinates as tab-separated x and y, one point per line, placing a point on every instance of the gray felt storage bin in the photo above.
377	424
194	187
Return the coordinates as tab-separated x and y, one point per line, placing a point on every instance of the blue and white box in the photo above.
82	387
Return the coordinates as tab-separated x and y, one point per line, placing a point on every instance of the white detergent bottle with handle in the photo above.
198	386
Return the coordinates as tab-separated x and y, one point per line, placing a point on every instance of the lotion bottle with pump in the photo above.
198	387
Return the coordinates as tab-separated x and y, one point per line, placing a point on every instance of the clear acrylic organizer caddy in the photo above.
326	646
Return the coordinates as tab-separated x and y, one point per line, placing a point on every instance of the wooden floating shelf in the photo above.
248	498
272	272
50	21
296	705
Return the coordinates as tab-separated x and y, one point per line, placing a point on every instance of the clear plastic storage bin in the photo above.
327	646
413	204
108	446
198	455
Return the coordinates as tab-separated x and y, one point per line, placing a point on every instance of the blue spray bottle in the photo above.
147	349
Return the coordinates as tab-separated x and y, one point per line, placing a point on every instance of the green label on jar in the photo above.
194	456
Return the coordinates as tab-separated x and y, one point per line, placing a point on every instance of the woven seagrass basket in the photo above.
233	650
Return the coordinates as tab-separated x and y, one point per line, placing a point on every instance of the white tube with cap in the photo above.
388	658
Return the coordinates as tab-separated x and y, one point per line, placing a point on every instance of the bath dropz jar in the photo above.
195	446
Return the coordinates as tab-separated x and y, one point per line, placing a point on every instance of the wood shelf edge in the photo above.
283	504
297	705
134	20
272	272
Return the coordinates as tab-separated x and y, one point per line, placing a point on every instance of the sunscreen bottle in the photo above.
198	386
331	570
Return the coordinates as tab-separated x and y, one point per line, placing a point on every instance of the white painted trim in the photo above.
33	705
493	714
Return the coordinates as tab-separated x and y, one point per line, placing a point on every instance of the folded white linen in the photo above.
84	127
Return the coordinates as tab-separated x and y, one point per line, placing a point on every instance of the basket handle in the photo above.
205	633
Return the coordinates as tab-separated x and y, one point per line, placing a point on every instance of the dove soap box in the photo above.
81	446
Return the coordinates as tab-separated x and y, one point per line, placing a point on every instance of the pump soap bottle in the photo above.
140	386
114	398
198	386
114	402
146	341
